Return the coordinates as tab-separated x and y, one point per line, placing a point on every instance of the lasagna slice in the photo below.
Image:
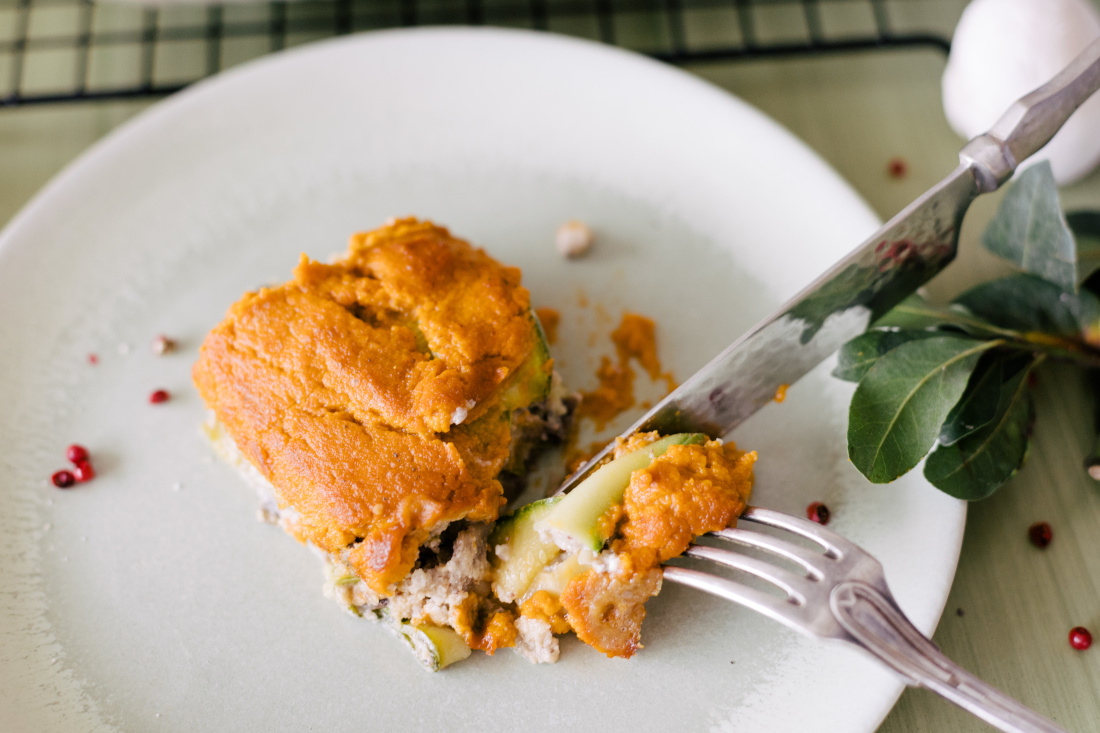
384	404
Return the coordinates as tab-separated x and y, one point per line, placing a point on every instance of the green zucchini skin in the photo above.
527	553
529	384
442	647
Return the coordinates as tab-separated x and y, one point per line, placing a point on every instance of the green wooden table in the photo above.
1012	605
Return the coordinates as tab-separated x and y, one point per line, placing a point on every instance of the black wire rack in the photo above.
79	50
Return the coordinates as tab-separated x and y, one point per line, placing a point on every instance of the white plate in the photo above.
150	599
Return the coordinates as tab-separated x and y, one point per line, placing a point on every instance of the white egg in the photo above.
1004	49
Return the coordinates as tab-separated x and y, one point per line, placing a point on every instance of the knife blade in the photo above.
874	277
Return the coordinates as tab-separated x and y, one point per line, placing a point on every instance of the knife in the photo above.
877	275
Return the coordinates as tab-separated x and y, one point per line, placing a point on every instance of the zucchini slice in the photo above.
573	523
527	553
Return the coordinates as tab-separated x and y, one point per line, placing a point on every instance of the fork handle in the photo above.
878	626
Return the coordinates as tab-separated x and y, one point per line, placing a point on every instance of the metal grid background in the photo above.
72	50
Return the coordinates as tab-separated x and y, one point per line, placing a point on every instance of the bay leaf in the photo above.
1027	303
897	409
857	356
978	405
1030	231
1085	226
915	313
974	467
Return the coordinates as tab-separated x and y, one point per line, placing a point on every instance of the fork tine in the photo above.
833	543
789	550
777	576
779	609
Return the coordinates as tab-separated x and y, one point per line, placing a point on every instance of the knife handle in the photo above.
1031	122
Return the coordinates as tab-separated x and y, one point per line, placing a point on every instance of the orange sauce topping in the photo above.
496	631
544	606
781	392
612	396
367	391
549	318
635	338
687	491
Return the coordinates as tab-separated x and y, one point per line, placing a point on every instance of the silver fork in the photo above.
843	595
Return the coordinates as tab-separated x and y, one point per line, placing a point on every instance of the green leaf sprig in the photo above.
951	382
